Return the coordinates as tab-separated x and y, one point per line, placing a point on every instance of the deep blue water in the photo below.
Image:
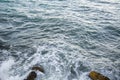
69	38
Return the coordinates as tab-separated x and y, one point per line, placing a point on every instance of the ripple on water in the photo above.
67	38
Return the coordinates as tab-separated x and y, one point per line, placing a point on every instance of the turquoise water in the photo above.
69	38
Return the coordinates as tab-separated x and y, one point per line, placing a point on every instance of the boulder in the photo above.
97	76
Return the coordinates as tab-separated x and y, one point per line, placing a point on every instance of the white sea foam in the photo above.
5	69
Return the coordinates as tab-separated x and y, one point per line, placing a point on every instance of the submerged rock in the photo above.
97	76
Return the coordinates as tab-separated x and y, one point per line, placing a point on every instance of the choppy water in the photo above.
69	38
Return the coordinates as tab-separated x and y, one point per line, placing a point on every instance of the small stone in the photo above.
38	68
32	75
97	76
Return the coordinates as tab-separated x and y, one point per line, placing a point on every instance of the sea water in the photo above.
68	38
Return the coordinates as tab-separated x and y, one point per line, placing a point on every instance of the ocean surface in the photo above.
68	38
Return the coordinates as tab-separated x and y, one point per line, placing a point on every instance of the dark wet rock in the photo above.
97	76
38	68
32	75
